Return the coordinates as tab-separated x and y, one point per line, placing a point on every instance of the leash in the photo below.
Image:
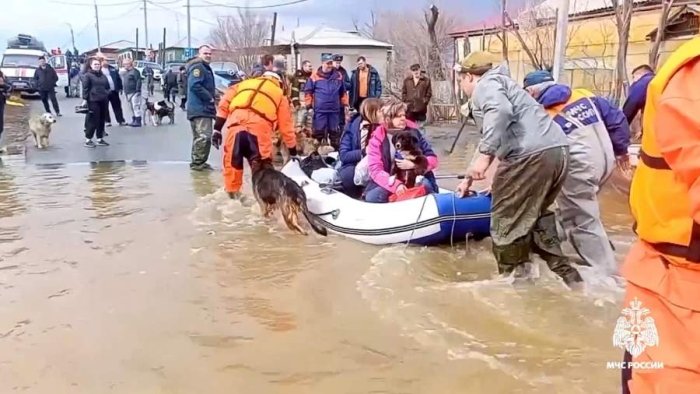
410	237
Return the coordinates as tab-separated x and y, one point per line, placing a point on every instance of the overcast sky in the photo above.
49	19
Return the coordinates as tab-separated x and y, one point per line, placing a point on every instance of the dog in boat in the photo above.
159	110
40	127
406	143
274	190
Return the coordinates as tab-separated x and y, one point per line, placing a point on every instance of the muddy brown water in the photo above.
147	279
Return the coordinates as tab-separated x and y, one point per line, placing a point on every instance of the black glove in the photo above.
293	154
216	139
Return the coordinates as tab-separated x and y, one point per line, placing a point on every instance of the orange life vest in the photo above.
261	95
660	204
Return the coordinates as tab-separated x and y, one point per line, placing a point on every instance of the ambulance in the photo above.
21	59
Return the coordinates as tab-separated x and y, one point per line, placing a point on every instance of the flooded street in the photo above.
130	278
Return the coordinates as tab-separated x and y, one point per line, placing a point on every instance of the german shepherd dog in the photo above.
406	143
272	189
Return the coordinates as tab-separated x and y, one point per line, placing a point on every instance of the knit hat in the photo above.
537	77
475	60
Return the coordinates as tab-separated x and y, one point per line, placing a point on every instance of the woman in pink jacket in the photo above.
381	155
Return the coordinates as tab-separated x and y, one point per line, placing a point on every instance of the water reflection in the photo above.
11	202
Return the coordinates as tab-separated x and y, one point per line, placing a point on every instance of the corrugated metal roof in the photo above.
577	7
325	36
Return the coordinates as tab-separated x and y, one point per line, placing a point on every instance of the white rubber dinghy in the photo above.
438	218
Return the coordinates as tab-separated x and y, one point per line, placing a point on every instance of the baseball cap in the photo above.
537	77
337	58
326	57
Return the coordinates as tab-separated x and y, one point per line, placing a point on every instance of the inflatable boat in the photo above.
438	218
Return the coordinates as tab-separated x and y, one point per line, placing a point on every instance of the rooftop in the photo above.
547	9
182	43
327	36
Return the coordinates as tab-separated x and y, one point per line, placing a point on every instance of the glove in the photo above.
293	154
216	139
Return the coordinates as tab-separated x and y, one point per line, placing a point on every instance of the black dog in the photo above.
406	143
160	110
272	189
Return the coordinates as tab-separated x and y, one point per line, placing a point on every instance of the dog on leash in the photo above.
159	110
274	190
40	127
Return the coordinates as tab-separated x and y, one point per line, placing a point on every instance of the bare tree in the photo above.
623	19
599	68
240	35
366	29
660	30
408	31
434	61
536	33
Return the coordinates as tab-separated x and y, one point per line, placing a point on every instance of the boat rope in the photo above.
410	237
454	222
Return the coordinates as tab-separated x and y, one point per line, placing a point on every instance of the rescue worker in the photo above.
338	64
662	268
201	107
533	158
298	82
252	109
637	97
599	136
325	93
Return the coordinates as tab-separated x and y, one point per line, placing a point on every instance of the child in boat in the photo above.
353	143
381	155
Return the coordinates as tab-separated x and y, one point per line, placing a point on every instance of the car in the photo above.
157	69
227	70
173	66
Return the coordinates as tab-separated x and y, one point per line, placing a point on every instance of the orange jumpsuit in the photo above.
663	267
253	109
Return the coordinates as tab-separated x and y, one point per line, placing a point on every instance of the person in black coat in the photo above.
96	97
115	90
4	93
46	78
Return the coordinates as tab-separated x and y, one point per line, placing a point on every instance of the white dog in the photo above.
40	126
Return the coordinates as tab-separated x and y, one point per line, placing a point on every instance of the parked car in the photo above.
227	70
157	69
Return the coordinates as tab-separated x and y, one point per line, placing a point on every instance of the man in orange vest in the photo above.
661	323
253	109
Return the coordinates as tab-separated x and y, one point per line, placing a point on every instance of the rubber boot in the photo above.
136	122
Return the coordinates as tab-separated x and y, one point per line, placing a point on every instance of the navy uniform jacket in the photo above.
201	90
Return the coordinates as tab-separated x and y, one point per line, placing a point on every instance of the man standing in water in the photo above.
599	136
533	159
663	266
201	107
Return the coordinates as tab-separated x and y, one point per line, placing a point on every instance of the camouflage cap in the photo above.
478	59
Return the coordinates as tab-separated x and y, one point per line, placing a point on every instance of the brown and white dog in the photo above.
40	127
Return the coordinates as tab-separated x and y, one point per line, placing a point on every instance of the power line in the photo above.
209	4
180	13
132	2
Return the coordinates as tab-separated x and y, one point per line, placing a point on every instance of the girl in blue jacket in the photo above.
353	143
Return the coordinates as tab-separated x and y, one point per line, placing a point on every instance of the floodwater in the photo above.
147	279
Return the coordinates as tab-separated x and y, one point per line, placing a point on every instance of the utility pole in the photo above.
97	25
560	44
72	36
162	57
189	22
274	28
145	21
137	44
